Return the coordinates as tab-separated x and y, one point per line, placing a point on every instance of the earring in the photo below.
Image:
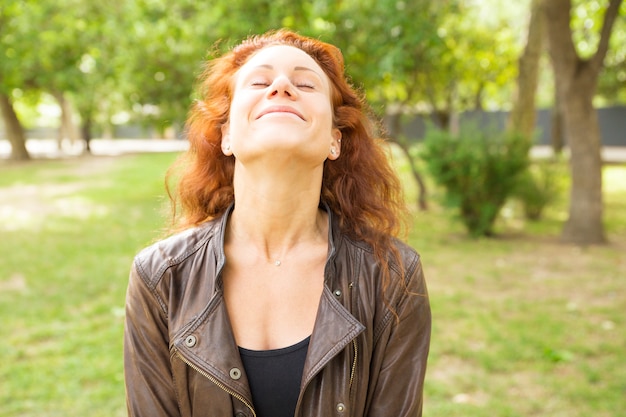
227	148
333	151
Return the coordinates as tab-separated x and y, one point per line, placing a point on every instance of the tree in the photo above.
423	56
576	82
57	28
404	39
46	47
12	42
612	79
15	131
523	114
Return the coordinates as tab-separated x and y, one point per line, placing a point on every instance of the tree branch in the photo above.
605	34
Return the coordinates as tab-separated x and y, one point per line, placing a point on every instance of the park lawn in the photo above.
522	325
69	230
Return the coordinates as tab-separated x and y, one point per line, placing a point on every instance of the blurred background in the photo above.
507	125
78	70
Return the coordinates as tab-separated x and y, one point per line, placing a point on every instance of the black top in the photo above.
274	377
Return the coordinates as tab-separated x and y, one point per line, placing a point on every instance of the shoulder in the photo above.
400	279
409	259
403	259
407	275
152	261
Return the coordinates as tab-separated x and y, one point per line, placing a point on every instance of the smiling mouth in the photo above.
280	109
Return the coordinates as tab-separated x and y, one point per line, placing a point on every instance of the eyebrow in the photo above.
296	68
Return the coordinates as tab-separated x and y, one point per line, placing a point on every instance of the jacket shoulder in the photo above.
152	261
405	273
408	255
409	274
405	264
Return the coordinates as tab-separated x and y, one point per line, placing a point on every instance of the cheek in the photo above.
325	114
238	110
241	100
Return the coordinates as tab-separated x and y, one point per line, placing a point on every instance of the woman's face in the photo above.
281	106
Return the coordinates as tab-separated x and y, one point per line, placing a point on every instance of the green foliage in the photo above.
478	170
142	57
138	60
538	187
439	55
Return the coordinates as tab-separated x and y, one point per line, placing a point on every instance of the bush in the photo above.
478	170
537	188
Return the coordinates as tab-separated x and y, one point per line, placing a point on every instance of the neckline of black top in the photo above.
275	352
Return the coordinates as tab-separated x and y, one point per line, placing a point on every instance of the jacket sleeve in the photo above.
397	377
147	371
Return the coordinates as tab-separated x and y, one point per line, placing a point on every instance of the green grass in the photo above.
522	324
69	230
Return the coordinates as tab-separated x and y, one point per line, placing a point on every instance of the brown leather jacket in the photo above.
181	359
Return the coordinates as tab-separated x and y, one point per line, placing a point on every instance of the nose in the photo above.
282	87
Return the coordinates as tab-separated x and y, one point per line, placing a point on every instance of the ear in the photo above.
335	144
226	148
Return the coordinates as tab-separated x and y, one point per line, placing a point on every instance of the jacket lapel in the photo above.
334	329
213	350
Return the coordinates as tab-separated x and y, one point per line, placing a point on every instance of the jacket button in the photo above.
190	341
337	293
341	407
235	373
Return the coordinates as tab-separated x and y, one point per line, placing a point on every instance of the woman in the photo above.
285	292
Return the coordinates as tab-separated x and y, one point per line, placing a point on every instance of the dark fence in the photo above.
612	124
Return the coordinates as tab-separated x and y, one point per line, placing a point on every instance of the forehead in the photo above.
283	57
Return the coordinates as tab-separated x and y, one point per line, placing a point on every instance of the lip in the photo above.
279	109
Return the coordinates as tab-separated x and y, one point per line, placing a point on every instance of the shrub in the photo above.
537	188
478	170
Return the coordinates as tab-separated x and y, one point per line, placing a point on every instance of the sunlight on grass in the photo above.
71	229
522	324
614	179
29	207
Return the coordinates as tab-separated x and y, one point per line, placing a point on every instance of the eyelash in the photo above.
267	84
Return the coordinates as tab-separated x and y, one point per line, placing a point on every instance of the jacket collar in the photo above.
335	327
334	239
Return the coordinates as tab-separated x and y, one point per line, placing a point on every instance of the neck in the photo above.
276	213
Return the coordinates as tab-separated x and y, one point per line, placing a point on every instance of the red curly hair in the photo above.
361	188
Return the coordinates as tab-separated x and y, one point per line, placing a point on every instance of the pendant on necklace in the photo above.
277	263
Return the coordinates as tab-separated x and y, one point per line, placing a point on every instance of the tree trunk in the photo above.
576	83
14	130
396	137
86	131
422	203
67	130
584	224
556	129
523	115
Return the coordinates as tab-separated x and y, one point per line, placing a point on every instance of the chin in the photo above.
281	135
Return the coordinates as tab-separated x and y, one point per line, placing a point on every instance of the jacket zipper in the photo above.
216	382
353	370
352	374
